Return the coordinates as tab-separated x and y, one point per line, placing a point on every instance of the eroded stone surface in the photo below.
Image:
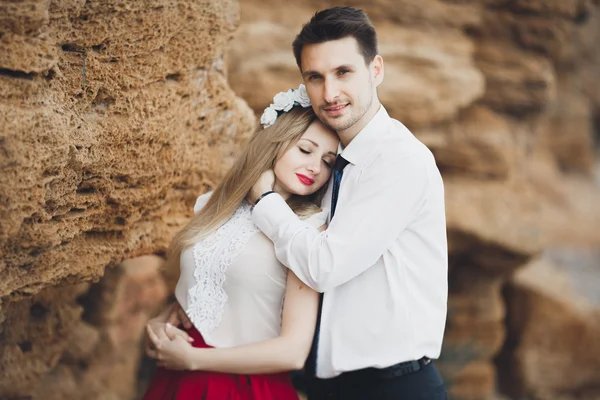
101	145
114	117
546	338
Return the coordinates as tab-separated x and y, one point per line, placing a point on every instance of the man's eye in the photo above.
313	77
343	72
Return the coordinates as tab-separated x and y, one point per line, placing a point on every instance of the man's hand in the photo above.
173	351
177	317
264	184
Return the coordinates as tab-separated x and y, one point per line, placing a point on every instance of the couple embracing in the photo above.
323	249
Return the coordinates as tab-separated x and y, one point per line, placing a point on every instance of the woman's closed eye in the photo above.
304	150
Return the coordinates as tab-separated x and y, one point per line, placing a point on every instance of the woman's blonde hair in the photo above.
265	147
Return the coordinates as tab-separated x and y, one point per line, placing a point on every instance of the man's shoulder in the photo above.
400	143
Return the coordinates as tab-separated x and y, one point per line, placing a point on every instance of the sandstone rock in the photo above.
479	144
83	340
424	14
562	274
25	56
564	32
567	130
118	307
125	298
475	298
427	80
579	265
474	331
568	208
116	142
34	336
55	355
555	29
60	384
475	382
113	118
23	16
565	9
499	220
517	82
552	348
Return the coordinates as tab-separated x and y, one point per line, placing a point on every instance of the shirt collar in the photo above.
362	144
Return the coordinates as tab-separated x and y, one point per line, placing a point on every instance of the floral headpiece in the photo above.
283	102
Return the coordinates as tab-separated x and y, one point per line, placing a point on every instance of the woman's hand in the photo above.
171	350
160	330
159	327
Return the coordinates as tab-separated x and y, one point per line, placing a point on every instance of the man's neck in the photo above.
347	135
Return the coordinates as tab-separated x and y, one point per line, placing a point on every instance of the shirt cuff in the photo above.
270	213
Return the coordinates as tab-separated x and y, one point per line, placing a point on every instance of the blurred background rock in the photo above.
115	115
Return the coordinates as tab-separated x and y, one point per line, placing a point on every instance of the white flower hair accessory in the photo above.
284	102
269	116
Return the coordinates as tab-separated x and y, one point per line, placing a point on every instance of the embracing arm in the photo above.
286	352
366	222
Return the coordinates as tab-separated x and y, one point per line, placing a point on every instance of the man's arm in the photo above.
366	222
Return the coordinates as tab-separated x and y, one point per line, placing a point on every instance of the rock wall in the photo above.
81	341
115	115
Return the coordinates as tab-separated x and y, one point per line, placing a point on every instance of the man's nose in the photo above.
331	92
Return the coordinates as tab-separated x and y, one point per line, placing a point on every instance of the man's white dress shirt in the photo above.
382	262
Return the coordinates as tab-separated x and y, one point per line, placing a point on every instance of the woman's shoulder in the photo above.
201	201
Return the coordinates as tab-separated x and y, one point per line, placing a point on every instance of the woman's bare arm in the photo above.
286	352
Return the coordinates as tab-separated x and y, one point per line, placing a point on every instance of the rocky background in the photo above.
115	115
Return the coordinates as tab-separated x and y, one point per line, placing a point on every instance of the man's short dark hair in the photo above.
338	23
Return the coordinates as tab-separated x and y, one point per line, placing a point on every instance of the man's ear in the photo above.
377	69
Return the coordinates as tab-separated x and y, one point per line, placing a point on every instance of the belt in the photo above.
393	371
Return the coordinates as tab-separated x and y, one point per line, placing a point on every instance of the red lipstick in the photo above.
305	179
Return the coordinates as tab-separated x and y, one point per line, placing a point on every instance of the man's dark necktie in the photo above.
310	367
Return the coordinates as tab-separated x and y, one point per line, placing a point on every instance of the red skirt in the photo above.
201	385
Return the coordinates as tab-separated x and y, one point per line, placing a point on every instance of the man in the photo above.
382	262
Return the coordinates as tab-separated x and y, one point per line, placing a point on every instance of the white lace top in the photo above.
231	284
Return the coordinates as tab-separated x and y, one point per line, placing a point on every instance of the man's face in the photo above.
342	89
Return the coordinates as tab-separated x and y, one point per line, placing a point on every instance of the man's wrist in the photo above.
262	196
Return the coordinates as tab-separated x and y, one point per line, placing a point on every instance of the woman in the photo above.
246	338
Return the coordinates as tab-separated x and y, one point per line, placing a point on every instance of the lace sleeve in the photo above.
201	202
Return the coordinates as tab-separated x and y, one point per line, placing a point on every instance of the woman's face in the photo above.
307	165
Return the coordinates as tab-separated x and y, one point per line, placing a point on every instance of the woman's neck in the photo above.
277	189
281	191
